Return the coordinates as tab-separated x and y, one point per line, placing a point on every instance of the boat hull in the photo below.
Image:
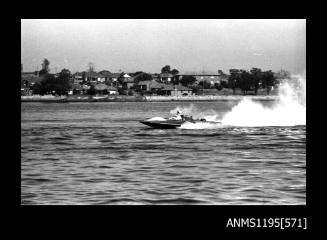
163	124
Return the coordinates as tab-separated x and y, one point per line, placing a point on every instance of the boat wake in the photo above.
201	125
288	110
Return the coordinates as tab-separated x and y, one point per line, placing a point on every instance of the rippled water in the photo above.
98	153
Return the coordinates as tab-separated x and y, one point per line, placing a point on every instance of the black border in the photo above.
184	218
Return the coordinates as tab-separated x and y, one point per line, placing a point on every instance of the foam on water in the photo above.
201	125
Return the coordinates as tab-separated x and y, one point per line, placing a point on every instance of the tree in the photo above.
256	74
174	71
45	67
65	73
218	86
48	84
36	88
60	85
195	89
120	79
282	75
204	85
233	79
187	80
224	84
268	80
175	78
64	77
245	81
142	76
165	69
91	91
221	73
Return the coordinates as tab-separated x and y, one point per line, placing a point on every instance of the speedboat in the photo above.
167	123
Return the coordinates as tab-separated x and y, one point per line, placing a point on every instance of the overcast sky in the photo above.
147	45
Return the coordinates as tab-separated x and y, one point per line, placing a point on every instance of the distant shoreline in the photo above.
120	98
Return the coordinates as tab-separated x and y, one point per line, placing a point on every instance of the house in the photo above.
94	77
180	90
128	83
79	89
114	76
106	74
30	74
126	76
31	78
112	90
113	79
143	85
175	90
25	89
77	78
149	85
155	76
101	88
166	77
210	78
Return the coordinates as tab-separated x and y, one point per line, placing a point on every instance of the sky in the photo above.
189	45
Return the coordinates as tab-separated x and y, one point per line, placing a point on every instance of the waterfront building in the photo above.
175	90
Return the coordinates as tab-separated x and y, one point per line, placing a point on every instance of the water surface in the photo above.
98	153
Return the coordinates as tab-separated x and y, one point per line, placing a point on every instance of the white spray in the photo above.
289	110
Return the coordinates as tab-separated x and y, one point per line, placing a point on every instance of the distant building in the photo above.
77	78
80	89
143	86
154	87
31	78
112	90
156	76
114	76
113	79
166	77
128	83
149	86
94	77
176	90
210	78
25	88
106	74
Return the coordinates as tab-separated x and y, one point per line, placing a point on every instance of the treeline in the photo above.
52	84
251	80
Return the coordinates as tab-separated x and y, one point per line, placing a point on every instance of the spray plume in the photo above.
288	110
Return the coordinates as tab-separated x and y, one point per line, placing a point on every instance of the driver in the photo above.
178	116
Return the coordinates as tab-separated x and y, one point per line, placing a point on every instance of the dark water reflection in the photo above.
98	153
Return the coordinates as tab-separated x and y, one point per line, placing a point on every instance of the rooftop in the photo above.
166	75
